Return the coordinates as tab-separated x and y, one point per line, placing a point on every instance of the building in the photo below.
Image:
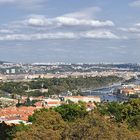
86	99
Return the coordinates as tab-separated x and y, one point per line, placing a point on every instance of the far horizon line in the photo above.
66	63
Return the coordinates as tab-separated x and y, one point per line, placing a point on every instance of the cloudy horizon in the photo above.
70	31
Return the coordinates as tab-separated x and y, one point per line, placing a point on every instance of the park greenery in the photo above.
55	85
108	121
72	121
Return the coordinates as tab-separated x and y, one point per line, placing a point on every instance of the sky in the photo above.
71	31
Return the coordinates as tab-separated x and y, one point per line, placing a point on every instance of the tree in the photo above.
74	123
95	127
6	131
47	126
70	112
123	112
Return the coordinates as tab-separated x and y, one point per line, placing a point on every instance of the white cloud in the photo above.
133	29
67	21
84	17
132	32
38	21
67	26
99	35
37	36
60	35
137	24
81	21
135	3
6	31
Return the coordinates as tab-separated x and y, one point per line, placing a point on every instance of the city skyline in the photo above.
70	31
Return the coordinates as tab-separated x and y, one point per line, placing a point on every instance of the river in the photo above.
107	93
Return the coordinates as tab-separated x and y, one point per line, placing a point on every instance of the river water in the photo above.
107	93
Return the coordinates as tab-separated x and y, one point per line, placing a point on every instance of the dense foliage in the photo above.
110	121
6	131
49	125
123	112
56	85
71	112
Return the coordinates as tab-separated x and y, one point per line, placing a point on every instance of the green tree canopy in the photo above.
70	112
